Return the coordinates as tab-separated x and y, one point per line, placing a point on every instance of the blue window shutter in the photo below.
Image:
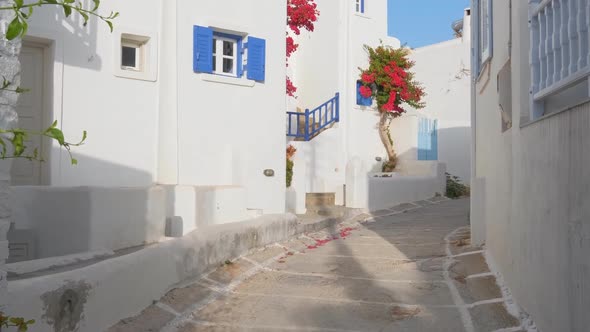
434	135
256	59
363	6
360	100
422	155
202	49
240	57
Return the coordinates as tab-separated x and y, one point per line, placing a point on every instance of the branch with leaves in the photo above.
19	323
23	11
17	138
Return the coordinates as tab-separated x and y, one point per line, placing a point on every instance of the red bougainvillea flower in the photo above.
291	46
291	89
368	78
301	14
365	91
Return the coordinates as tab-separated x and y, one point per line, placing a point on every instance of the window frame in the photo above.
146	59
219	38
483	18
139	58
359	6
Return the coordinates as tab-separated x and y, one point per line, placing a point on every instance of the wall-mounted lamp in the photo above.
269	172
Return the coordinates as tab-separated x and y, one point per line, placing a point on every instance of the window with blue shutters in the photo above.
256	67
360	100
360	6
427	139
221	53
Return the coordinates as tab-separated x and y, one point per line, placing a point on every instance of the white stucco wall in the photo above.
9	69
533	188
326	62
83	93
73	220
229	134
444	69
172	127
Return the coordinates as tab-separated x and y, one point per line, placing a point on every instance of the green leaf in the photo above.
67	10
74	161
15	29
96	5
3	144
57	134
19	3
110	24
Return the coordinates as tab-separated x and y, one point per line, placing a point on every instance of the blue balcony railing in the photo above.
306	125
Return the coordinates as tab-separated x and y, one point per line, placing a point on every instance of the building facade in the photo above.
182	102
530	179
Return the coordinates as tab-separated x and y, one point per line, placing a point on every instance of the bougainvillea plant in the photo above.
301	14
290	154
390	83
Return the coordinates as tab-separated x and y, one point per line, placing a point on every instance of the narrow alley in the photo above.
409	268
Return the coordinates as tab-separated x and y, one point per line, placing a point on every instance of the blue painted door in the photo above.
427	139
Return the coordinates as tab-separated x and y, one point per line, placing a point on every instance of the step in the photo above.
315	200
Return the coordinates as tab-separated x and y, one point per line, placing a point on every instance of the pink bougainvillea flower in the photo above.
365	91
368	78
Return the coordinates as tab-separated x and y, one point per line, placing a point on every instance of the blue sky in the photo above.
423	22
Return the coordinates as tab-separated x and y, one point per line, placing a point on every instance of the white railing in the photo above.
560	40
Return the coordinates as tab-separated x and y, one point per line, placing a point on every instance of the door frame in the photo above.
51	98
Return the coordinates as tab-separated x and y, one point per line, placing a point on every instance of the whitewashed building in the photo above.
327	62
530	177
183	104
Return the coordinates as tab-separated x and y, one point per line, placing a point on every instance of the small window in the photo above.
130	56
225	54
133	49
135	55
359	6
484	42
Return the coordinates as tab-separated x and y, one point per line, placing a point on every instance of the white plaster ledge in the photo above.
52	262
227	80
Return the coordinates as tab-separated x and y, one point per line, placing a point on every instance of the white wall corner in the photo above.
10	70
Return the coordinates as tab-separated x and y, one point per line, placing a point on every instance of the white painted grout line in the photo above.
480	275
242	327
457	299
513	308
336	300
187	314
510	329
484	302
167	308
336	276
469	253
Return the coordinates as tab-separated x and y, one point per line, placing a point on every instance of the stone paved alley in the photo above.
410	268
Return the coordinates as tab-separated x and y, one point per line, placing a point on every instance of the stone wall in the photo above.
9	69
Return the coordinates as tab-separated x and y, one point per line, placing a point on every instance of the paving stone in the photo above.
381	213
469	265
406	251
301	314
261	256
316	287
181	299
386	275
403	207
351	267
150	319
229	272
492	317
478	289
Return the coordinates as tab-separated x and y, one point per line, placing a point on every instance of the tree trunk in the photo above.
391	163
